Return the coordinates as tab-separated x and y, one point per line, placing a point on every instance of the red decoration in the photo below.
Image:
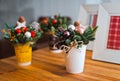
94	22
33	33
18	31
113	41
54	21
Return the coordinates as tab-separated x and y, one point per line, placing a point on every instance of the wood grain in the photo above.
47	66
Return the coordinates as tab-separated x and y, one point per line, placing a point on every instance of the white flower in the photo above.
19	25
35	25
27	34
71	27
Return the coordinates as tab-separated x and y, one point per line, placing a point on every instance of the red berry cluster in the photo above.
25	29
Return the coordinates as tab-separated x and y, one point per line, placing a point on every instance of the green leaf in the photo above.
77	37
39	34
7	26
90	36
64	26
91	39
87	31
7	35
52	28
85	40
60	21
15	40
64	20
95	29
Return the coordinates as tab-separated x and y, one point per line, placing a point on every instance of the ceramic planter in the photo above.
23	54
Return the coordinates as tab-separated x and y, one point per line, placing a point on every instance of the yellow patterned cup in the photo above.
50	33
23	54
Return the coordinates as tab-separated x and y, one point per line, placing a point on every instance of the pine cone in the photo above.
76	23
21	19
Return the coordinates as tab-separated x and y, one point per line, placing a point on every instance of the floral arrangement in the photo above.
76	35
21	34
49	25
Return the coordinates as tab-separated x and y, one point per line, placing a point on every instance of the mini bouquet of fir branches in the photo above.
49	25
22	33
75	35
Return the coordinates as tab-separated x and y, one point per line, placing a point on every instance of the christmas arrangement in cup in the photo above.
75	36
50	25
74	40
22	33
23	36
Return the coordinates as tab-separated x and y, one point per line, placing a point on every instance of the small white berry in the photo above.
28	34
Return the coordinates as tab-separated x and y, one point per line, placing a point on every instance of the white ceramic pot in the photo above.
75	59
57	51
24	64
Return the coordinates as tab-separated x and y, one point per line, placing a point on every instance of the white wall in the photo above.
32	9
10	11
64	7
115	1
93	1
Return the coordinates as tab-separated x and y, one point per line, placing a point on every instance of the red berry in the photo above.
33	33
54	21
18	31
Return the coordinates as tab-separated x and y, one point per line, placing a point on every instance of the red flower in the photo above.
33	33
18	31
54	21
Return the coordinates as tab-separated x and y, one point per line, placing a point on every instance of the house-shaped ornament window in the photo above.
113	41
88	16
107	43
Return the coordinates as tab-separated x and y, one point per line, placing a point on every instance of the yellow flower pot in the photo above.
23	54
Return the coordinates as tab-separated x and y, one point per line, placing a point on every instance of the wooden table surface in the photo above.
47	66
